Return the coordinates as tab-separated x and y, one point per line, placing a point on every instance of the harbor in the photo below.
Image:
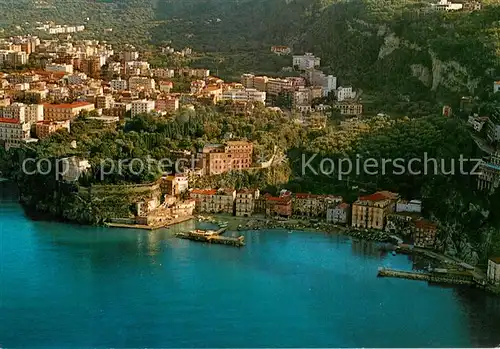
212	236
130	223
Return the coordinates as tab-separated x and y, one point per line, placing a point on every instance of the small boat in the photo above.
394	253
289	232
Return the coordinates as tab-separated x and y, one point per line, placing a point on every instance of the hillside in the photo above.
392	45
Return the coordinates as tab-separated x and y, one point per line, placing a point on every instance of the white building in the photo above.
142	107
302	97
13	132
30	113
129	56
477	122
344	93
118	84
141	83
163	73
496	86
73	168
445	5
244	95
306	61
494	271
59	68
409	206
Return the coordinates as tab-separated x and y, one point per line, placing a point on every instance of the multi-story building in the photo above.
245	202
276	85
310	205
352	109
233	155
46	128
244	95
129	56
59	68
168	104
13	132
224	201
104	102
204	200
494	270
425	233
339	214
142	107
472	5
118	84
30	113
175	185
489	175
141	83
247	81
60	112
369	212
260	83
91	66
445	5
278	206
197	86
163	73
344	93
306	61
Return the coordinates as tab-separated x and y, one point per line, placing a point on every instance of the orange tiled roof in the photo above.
9	121
374	197
67	105
204	191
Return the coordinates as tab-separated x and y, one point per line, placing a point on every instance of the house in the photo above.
349	108
399	223
370	212
44	129
344	93
310	205
245	202
339	214
306	61
425	233
445	5
278	206
494	271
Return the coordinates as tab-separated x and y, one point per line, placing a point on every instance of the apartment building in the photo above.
59	68
224	201
142	107
163	73
118	84
244	95
489	175
44	129
276	85
30	113
165	86
351	109
369	212
245	202
104	102
141	83
339	214
247	81
310	205
204	200
278	206
13	132
344	93
68	111
306	61
233	155
167	104
425	233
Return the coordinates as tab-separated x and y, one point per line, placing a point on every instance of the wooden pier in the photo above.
214	237
448	277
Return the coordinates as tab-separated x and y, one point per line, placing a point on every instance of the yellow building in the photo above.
60	112
370	212
245	202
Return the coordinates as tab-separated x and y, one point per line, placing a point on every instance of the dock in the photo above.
157	226
448	277
213	237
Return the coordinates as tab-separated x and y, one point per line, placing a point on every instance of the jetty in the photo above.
212	236
130	223
439	276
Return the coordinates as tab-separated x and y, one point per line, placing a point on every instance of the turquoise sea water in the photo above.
64	286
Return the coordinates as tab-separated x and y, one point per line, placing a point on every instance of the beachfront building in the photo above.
245	202
204	200
278	206
370	212
310	205
494	271
338	214
224	201
175	185
425	233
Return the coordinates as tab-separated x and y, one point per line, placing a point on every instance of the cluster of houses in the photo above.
379	211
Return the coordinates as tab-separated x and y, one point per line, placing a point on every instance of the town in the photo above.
49	83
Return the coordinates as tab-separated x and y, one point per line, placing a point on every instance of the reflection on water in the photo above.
367	249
